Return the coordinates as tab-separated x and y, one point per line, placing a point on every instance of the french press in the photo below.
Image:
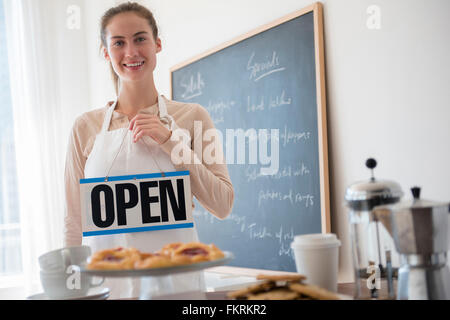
375	260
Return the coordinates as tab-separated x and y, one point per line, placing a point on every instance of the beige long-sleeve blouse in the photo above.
210	183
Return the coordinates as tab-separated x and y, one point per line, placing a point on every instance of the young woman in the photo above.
132	135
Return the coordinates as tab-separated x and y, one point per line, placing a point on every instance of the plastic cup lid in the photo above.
316	240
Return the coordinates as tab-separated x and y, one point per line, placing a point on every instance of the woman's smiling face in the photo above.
131	48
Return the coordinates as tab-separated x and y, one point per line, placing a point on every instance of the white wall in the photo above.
388	90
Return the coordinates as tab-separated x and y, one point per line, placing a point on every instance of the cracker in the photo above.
264	286
276	294
282	277
313	291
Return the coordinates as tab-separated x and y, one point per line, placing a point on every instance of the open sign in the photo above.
144	202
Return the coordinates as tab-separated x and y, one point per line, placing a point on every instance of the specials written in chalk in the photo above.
145	202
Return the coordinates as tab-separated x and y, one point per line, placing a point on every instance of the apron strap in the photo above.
108	116
164	116
162	107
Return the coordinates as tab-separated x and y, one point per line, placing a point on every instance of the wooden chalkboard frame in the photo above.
317	10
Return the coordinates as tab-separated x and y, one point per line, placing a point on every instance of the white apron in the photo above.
144	156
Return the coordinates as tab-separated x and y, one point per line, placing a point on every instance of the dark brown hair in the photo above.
138	9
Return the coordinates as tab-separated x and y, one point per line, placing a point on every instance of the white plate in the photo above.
154	272
93	294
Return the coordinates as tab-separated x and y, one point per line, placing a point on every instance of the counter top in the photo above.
220	280
345	289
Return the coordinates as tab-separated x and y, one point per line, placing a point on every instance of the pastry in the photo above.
172	254
114	259
313	291
282	277
195	252
153	260
282	287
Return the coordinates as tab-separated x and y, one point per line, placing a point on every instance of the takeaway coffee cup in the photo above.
317	257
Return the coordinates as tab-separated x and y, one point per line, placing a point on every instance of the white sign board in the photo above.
136	203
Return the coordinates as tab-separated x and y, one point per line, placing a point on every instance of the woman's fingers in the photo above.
148	125
143	129
142	119
143	133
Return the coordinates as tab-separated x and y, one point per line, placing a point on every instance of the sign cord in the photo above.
120	149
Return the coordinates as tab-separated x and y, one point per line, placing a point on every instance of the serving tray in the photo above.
156	272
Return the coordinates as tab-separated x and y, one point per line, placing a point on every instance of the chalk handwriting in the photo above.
219	106
285	239
280	101
254	231
199	212
281	236
259	70
293	198
258	232
193	88
239	220
289	136
252	107
216	120
300	169
285	249
259	103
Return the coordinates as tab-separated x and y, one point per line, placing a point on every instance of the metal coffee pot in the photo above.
420	231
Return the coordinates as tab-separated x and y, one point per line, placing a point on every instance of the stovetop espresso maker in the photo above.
420	231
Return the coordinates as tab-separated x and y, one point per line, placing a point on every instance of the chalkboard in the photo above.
269	79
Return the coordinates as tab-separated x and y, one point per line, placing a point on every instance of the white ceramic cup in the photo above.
317	257
60	273
59	260
70	284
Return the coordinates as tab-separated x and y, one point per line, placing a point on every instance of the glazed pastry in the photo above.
153	260
172	254
114	259
195	252
168	249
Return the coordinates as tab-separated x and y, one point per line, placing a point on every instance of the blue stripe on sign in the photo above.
135	176
139	229
92	180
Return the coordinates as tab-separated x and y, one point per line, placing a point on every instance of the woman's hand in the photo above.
149	125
